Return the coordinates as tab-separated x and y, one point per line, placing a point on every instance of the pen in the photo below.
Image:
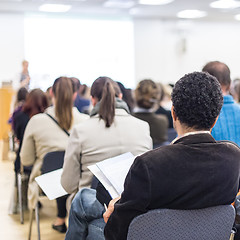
105	206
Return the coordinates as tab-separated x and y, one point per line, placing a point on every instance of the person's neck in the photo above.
225	90
183	130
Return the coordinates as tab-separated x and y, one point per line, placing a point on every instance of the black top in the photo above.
158	126
168	114
20	122
194	172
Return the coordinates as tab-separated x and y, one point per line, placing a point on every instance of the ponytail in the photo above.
63	92
107	105
105	90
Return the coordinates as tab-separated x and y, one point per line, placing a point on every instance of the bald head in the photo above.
221	72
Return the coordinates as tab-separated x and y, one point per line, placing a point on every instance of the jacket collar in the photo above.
228	99
120	104
195	138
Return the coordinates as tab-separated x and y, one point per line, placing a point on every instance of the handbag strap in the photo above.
58	124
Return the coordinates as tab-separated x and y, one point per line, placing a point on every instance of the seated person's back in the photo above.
194	172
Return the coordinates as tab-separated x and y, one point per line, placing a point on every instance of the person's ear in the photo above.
174	116
120	95
94	101
214	123
51	92
74	96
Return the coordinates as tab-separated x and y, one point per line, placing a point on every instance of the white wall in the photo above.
165	51
159	47
11	46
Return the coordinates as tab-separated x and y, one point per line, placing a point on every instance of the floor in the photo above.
10	226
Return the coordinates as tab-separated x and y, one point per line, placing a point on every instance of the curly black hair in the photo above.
197	100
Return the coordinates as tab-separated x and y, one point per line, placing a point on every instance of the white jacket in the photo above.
43	135
91	142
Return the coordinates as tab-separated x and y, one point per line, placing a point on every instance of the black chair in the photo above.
51	161
214	223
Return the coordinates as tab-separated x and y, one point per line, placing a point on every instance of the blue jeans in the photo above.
85	217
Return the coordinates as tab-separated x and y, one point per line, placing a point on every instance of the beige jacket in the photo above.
91	142
43	135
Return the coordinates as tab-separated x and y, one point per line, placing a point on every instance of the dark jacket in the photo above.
194	172
158	126
167	113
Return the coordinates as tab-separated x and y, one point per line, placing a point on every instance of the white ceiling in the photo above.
96	7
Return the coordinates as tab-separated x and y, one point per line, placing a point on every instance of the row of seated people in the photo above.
158	178
62	98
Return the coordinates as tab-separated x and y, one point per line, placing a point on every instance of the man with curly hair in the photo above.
193	172
228	124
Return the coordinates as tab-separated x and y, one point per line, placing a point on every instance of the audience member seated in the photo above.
111	131
43	135
21	97
80	103
192	173
235	90
228	123
165	103
127	96
49	95
35	103
146	96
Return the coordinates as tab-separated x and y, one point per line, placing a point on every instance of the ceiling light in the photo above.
155	2
191	14
54	8
225	4
118	4
237	17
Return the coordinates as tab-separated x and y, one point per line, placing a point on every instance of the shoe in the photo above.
60	228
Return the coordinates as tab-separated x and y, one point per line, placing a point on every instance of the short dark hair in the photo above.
219	70
197	100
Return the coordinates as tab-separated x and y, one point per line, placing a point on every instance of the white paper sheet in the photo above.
105	182
112	172
50	183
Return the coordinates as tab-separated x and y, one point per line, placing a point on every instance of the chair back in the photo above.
214	223
53	161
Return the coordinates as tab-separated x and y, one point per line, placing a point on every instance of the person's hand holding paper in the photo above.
110	209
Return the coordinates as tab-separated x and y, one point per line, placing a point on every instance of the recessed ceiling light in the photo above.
119	4
191	14
155	2
237	17
225	4
54	8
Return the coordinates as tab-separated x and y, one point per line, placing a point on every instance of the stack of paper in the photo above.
112	172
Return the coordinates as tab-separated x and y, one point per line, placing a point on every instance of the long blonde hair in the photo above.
63	90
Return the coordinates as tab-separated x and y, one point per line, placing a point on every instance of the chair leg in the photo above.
30	224
20	199
37	221
232	234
